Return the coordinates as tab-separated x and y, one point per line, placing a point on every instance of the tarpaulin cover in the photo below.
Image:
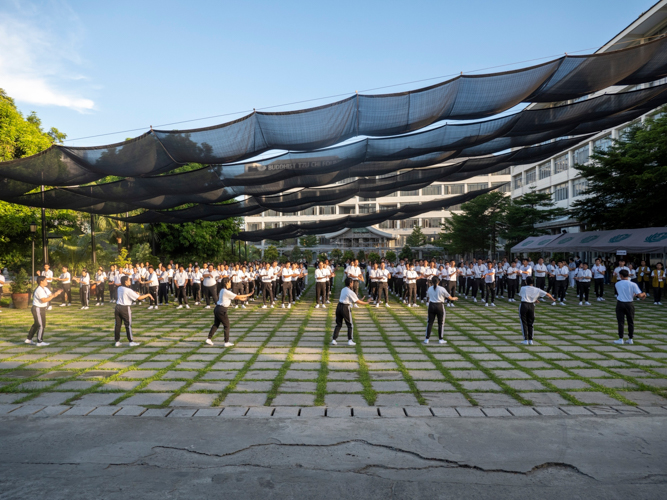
534	243
466	97
641	240
355	221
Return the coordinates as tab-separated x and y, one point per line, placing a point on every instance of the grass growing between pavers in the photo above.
323	372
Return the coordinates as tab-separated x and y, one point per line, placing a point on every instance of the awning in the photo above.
641	240
534	243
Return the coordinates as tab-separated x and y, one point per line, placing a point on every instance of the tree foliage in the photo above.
627	183
522	214
296	253
270	254
348	255
336	254
406	252
373	257
391	256
417	238
361	255
309	241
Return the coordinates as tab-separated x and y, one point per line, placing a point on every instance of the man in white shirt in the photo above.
181	280
210	287
196	276
40	302
321	279
525	270
66	282
490	284
122	311
540	274
267	284
626	291
529	296
572	267
411	282
382	279
220	312
354	273
84	288
584	277
288	286
452	274
152	283
163	290
599	270
512	279
437	296
562	274
343	311
478	284
399	277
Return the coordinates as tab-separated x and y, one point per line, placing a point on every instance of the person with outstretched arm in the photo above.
40	303
437	296
530	296
220	312
122	312
344	311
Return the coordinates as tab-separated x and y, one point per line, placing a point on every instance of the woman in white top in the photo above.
437	296
66	282
343	310
40	302
84	291
220	312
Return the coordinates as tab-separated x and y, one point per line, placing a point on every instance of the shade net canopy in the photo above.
355	221
640	240
467	97
534	243
371	156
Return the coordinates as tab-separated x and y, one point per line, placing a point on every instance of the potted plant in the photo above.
21	290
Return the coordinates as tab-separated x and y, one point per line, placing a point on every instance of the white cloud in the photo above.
39	59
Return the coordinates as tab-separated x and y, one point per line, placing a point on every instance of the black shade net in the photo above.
356	221
466	97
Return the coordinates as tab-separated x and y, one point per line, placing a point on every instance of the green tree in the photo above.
270	254
406	252
200	239
474	228
309	241
417	238
522	214
348	255
322	257
308	256
296	253
627	183
361	255
373	257
391	256
336	254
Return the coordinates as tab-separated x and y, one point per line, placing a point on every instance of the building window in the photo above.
432	222
308	211
531	176
346	210
581	155
454	189
271	225
518	181
390	195
561	192
504	186
477	186
544	191
579	186
434	190
545	170
361	198
505	171
328	210
369	208
253	227
603	143
410	193
389	224
409	223
384	208
271	213
562	163
455	208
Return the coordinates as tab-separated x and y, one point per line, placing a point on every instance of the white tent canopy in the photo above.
641	240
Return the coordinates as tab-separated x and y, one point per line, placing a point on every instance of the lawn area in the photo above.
282	357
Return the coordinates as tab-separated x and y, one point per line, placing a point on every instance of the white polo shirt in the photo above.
40	293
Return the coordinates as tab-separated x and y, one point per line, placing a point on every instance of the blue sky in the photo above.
92	67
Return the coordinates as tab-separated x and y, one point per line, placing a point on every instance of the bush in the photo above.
391	256
406	253
21	282
322	257
296	254
308	256
348	255
361	255
373	257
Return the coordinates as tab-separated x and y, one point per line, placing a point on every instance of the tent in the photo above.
534	243
641	240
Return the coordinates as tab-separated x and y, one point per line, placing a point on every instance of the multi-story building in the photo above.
558	175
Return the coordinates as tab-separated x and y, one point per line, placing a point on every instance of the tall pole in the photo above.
246	250
33	261
92	237
153	238
127	232
45	247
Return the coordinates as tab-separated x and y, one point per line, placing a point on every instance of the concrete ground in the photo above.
590	457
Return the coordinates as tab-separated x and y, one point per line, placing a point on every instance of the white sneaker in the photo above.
69	304
328	302
156	308
492	304
272	306
525	342
28	341
118	344
409	305
487	305
63	305
134	344
236	306
49	308
83	307
209	341
553	303
581	303
530	342
598	299
150	307
228	344
283	306
289	306
629	341
323	306
333	342
187	306
618	341
180	307
562	303
587	303
356	305
41	344
387	305
351	342
316	307
196	303
377	305
474	300
425	341
442	341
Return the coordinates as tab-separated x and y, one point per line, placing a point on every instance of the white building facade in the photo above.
558	175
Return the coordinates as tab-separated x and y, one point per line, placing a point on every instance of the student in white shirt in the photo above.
209	285
66	282
584	277
529	296
152	284
40	302
626	291
437	296
343	311
383	278
181	280
84	290
512	278
100	278
122	311
490	283
599	270
321	279
658	283
196	278
288	289
562	274
411	282
220	312
267	284
540	274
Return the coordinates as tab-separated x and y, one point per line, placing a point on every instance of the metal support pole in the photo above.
92	238
246	250
127	232
45	246
32	278
153	239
